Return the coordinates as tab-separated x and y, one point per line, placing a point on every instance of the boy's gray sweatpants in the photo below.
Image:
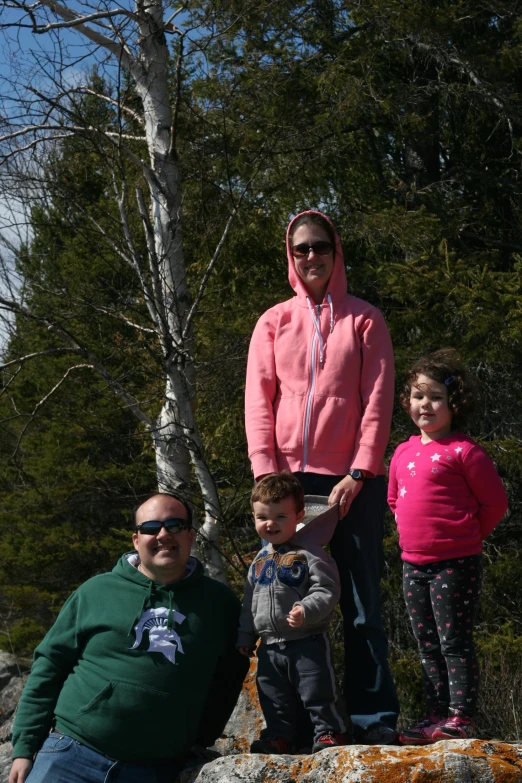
302	667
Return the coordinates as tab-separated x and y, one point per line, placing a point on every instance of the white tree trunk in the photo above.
177	444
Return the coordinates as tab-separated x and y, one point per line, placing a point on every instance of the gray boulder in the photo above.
9	668
452	761
5	761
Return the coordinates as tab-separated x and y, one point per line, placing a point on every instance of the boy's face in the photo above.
276	522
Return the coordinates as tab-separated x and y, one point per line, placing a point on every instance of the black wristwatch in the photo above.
357	475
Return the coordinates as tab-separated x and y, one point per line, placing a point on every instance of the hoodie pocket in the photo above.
333	426
103	694
125	718
289	419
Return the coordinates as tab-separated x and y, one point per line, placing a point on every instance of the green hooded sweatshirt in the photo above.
134	669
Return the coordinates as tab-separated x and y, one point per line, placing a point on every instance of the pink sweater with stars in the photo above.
446	496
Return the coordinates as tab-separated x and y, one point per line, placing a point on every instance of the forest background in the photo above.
402	121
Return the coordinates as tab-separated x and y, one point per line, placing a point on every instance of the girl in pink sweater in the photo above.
447	497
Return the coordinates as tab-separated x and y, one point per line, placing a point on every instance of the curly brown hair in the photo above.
276	487
445	366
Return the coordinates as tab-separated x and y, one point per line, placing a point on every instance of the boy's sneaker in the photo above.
272	744
328	741
422	733
455	728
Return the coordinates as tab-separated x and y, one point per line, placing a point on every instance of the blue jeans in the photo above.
356	546
62	759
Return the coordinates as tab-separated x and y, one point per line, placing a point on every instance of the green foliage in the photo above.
22	638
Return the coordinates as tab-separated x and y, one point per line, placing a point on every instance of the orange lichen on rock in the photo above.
247	721
451	761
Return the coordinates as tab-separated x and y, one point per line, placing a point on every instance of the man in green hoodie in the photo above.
139	666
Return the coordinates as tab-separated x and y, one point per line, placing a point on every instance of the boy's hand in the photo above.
246	651
295	617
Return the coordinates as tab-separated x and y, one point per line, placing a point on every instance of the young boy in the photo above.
290	594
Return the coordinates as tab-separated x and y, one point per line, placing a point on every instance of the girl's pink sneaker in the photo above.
455	728
422	733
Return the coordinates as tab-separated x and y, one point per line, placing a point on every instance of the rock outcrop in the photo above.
247	719
452	761
12	678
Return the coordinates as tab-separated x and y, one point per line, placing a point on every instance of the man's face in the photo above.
163	556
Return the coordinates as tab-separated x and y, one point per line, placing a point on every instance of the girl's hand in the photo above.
345	493
246	651
295	617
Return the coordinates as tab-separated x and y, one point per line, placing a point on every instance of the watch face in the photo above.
356	474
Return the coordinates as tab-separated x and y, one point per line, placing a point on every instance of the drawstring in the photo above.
317	326
146	600
330	303
170	621
317	331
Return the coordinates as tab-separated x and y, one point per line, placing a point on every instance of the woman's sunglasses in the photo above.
153	526
321	248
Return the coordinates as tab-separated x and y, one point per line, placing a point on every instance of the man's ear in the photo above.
135	541
300	515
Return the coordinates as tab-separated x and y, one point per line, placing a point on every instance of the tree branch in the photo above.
29	356
65	336
43	401
119	51
215	256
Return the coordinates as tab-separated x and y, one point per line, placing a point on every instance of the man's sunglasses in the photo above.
153	526
321	248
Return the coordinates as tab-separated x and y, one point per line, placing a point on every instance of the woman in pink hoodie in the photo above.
319	399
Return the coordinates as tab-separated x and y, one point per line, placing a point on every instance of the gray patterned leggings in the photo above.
441	599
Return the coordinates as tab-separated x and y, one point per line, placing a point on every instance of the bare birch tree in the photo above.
130	41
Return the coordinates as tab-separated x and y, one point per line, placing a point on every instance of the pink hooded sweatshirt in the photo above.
319	388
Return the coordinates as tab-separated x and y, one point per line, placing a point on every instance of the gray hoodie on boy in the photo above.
280	578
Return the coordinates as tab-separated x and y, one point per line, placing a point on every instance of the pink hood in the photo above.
337	285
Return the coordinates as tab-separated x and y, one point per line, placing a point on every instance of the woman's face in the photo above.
314	270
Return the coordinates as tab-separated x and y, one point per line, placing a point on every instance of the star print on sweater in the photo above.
450	503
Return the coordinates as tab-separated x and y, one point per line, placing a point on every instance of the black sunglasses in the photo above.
321	248
153	526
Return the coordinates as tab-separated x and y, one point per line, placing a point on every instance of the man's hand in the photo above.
20	770
246	651
295	617
345	493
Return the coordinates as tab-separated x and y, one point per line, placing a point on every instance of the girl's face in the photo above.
429	408
314	269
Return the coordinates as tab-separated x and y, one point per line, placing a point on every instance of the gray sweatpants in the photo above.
301	668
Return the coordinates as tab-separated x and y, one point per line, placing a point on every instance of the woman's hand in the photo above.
345	493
